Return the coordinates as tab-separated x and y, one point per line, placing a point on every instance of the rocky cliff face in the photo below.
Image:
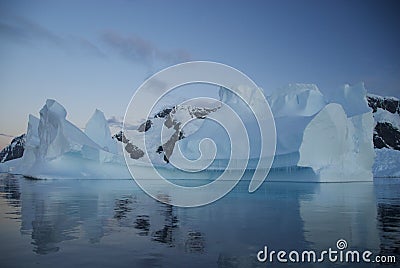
14	150
172	119
386	111
389	104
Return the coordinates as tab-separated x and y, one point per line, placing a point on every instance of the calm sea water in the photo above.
112	223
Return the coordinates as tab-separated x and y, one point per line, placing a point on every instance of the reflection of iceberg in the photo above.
342	205
71	215
52	216
387	193
52	212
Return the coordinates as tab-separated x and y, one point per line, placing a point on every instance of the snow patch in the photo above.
382	115
386	163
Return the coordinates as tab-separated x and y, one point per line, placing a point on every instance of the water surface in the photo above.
113	223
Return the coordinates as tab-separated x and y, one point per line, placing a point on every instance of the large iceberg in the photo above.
323	138
56	148
330	135
338	147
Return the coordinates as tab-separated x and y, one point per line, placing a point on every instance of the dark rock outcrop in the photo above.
134	151
386	135
145	126
391	105
163	113
14	150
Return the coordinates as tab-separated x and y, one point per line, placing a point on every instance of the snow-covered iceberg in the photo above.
338	147
332	136
56	148
319	138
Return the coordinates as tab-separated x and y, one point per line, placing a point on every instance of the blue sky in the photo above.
94	54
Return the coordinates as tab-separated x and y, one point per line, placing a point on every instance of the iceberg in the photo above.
352	98
329	136
57	135
296	100
97	130
56	148
324	138
293	108
338	147
333	137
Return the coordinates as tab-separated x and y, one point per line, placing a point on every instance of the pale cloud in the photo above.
137	49
26	32
6	135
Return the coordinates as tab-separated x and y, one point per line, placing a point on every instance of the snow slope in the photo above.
386	163
386	112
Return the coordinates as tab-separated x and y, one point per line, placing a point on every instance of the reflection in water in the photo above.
165	235
114	223
194	242
352	209
388	199
389	225
9	190
48	222
229	261
142	223
45	238
123	205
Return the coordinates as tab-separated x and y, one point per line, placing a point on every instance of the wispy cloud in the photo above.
118	122
27	32
114	121
6	135
140	50
133	47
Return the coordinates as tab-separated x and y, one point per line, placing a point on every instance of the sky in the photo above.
94	54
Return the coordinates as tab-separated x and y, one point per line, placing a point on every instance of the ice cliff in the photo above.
330	137
56	148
